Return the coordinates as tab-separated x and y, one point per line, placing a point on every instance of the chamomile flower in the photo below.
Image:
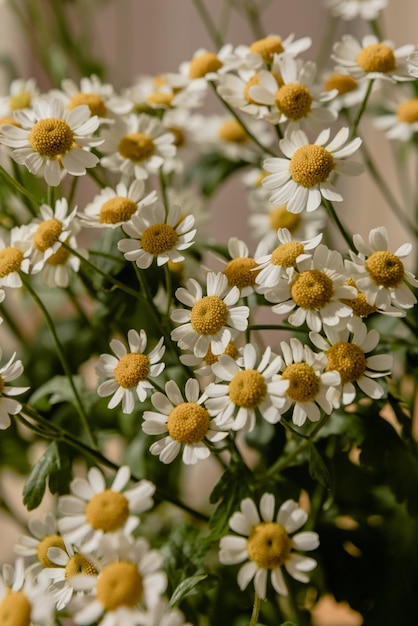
350	9
94	510
128	372
346	350
372	59
401	120
14	256
267	543
52	141
206	64
305	385
203	365
44	535
241	270
22	94
381	274
8	406
350	92
157	234
186	421
262	52
235	90
99	97
58	267
212	319
245	390
303	176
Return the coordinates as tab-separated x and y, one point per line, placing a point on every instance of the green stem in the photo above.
168	288
163	187
297	615
256	610
326	43
333	215
208	22
20	188
253	15
361	109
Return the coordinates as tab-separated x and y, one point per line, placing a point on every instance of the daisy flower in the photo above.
241	270
372	59
350	9
401	120
314	292
350	92
128	371
187	423
206	64
305	385
58	267
212	318
22	94
138	146
44	535
235	90
14	256
303	176
262	52
267	543
99	97
250	389
53	141
94	510
346	351
381	274
13	369
157	234
203	365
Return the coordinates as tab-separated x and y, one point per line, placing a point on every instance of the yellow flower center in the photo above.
294	100
267	47
377	57
179	136
342	82
21	100
93	101
208	315
385	269
247	389
203	64
239	272
60	257
408	111
232	132
304	383
312	289
51	137
269	545
348	359
47	234
286	254
119	584
280	217
230	350
50	541
118	209
160	98
159	238
131	369
311	165
15	609
79	565
107	511
10	261
359	304
136	147
188	423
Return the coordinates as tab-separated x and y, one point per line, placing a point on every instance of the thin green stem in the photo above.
168	288
361	109
256	610
208	22
253	15
50	196
18	187
298	616
163	186
326	43
333	215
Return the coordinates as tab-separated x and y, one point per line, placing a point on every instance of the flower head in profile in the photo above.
8	406
44	535
267	544
241	269
300	179
128	371
99	97
350	9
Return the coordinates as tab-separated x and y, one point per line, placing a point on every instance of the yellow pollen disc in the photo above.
107	511
118	209
233	132
119	584
359	304
15	609
10	120
342	82
60	257
79	565
10	261
294	100
377	57
247	389
230	350
159	238
348	359
269	545
280	217
136	147
286	254
47	234
51	137
188	423
159	98
131	369
203	64
239	272
179	137
312	289
93	101
50	541
408	111
385	269
266	47
304	383
311	165
21	100
208	315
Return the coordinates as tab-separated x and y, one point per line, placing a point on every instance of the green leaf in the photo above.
185	588
230	490
59	389
317	468
35	485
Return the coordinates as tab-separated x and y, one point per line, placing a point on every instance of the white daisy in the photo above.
99	97
23	600
207	65
303	176
212	318
381	274
58	267
234	89
187	423
262	52
346	349
203	365
350	92
44	535
13	369
94	510
52	141
241	269
14	256
129	371
350	9
267	544
401	119
22	94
